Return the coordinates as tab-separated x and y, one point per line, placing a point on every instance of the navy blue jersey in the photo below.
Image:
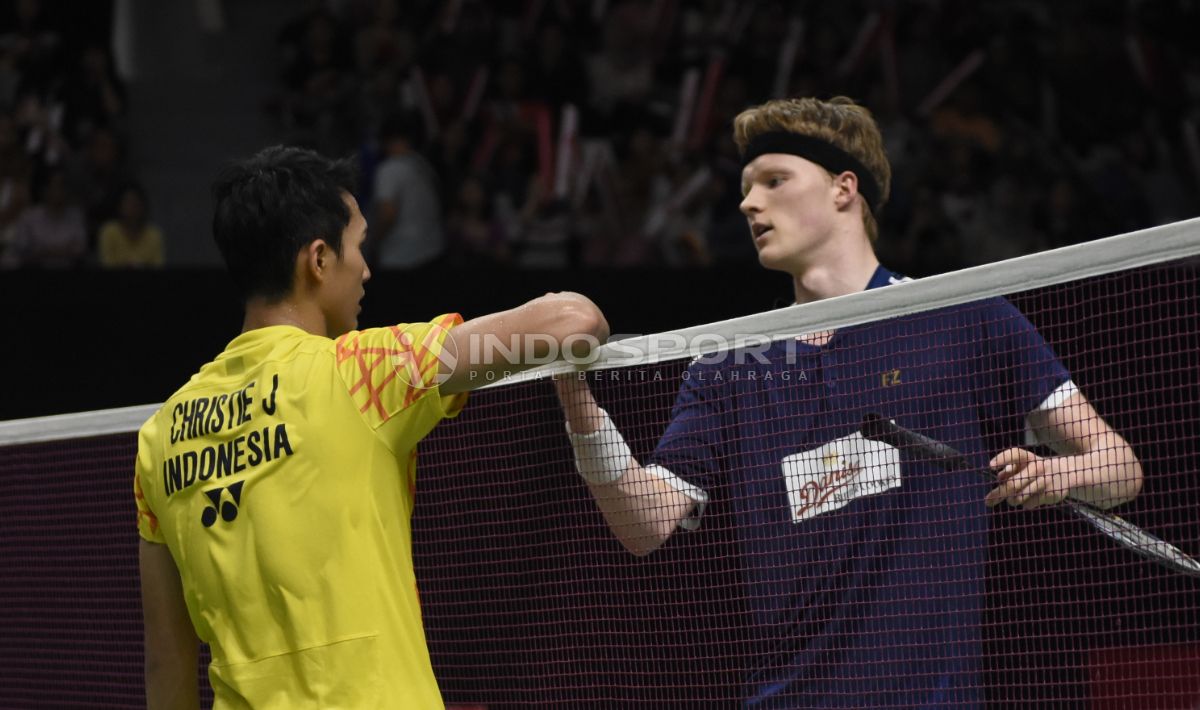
863	564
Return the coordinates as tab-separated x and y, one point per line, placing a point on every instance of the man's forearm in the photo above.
641	505
1107	474
641	508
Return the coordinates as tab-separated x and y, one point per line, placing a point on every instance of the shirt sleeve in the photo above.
693	446
147	520
1019	371
395	371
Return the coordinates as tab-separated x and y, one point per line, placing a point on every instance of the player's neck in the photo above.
836	272
305	316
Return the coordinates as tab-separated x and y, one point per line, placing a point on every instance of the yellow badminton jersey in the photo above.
281	477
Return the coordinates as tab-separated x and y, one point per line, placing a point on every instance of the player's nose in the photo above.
750	204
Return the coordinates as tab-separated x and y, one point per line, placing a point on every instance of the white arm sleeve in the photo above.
1034	435
692	521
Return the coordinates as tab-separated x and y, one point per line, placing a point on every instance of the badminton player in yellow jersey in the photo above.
274	490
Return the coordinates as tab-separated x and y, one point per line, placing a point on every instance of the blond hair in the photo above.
839	121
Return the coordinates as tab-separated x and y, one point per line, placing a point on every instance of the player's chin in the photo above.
769	260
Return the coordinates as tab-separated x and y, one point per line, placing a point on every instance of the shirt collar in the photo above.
259	336
883	277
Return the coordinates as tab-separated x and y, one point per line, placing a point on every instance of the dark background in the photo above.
93	339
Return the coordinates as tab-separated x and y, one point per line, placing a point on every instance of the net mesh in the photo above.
530	600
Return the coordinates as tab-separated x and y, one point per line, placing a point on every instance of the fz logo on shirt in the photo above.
228	509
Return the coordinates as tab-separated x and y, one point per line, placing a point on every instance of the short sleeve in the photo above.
1019	370
393	377
693	445
147	520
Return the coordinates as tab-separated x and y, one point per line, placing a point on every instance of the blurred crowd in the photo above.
553	133
548	133
68	195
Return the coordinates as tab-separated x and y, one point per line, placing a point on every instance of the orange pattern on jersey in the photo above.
421	360
348	346
415	359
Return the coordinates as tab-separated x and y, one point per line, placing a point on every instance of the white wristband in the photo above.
602	456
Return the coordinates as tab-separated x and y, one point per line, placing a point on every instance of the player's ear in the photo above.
320	259
312	263
846	187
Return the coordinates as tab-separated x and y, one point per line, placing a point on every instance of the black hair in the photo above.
271	206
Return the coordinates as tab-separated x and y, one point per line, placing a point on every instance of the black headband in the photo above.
821	152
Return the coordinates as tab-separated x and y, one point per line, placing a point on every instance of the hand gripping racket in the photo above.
1123	532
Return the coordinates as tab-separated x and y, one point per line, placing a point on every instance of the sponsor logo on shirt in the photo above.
830	477
228	509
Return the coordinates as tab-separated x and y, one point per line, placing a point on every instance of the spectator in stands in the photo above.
40	122
726	236
607	57
98	173
475	236
555	69
52	233
320	84
641	163
407	214
130	240
622	71
93	96
10	78
383	41
35	44
15	171
542	239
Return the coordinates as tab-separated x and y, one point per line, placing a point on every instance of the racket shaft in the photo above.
885	430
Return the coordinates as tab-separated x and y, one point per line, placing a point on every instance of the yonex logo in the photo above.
228	509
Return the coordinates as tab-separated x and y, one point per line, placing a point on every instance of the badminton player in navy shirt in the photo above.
863	563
